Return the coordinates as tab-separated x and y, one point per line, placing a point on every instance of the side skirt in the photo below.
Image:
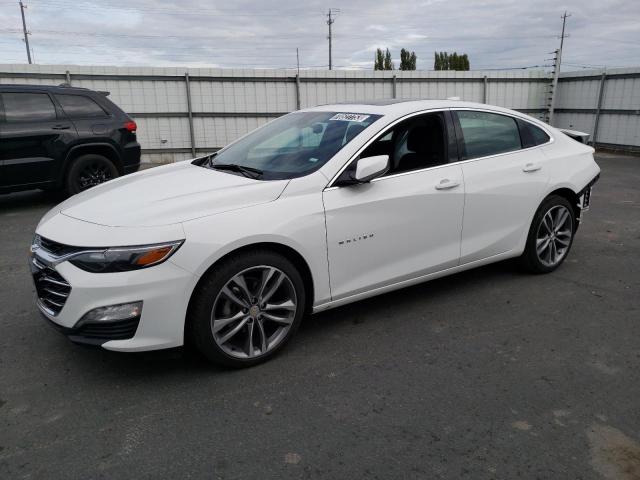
415	281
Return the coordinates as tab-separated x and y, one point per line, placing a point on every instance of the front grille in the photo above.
52	289
120	330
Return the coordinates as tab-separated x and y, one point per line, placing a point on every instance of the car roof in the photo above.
399	107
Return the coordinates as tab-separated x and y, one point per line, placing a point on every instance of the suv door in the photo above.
34	136
402	225
504	183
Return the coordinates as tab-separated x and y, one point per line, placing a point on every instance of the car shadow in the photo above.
457	284
14	202
185	363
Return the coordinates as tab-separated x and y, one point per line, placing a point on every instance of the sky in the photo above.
496	34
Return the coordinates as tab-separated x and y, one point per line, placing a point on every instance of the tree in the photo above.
379	60
408	60
388	64
450	61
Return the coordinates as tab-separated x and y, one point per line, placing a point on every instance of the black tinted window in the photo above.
531	135
414	144
488	133
28	107
79	106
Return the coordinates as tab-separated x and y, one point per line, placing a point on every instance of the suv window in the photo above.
531	135
78	106
28	107
487	133
416	143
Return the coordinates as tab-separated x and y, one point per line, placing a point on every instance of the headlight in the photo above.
124	259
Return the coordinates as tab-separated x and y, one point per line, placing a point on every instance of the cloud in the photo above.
243	33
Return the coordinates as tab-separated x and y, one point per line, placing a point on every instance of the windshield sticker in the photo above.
350	117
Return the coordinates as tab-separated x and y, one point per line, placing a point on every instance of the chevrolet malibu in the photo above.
316	209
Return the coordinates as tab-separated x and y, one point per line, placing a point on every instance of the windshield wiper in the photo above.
234	167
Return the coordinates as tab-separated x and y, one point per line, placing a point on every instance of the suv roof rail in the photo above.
68	85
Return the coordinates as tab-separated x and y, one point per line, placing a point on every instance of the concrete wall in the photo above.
226	103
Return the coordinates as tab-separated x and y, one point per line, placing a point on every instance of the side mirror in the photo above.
369	168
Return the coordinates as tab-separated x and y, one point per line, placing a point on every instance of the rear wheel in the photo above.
88	171
550	236
246	309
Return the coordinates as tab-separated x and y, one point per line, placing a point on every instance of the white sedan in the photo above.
316	209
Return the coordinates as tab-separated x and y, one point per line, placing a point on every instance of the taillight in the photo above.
130	126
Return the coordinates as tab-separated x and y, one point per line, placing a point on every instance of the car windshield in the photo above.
291	146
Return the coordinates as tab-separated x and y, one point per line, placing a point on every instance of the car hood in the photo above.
167	195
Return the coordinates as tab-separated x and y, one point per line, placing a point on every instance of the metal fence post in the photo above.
485	91
395	86
190	113
603	79
67	76
298	104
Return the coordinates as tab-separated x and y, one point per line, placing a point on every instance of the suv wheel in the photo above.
88	171
247	309
550	236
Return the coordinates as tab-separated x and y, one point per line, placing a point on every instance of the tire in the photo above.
263	320
88	171
550	235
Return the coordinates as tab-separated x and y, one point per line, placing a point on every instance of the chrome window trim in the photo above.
331	186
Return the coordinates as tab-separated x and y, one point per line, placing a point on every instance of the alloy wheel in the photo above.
92	175
554	235
254	311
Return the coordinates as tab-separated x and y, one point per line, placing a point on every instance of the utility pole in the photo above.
556	69
330	21
24	30
298	60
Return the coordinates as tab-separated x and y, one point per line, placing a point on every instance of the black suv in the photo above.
62	138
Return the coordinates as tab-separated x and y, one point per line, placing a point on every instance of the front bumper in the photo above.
164	290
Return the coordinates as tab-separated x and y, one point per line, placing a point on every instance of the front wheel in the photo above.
246	309
550	236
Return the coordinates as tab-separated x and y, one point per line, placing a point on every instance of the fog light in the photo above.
123	311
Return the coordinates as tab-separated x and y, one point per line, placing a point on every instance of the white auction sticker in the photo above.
350	117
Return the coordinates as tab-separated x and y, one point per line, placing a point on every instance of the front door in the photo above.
402	225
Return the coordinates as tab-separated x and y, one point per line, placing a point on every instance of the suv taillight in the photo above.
130	126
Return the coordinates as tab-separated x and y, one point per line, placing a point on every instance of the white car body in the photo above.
356	241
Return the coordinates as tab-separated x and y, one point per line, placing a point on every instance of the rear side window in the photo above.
531	135
78	106
28	107
487	134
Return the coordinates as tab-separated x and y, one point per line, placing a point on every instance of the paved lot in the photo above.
487	374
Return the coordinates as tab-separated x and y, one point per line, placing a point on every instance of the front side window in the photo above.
78	106
28	107
295	144
413	144
487	134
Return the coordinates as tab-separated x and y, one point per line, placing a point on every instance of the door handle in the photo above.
531	167
446	184
61	127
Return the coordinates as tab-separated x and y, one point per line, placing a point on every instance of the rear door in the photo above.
34	135
89	118
503	183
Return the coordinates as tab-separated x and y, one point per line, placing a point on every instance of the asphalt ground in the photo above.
490	373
